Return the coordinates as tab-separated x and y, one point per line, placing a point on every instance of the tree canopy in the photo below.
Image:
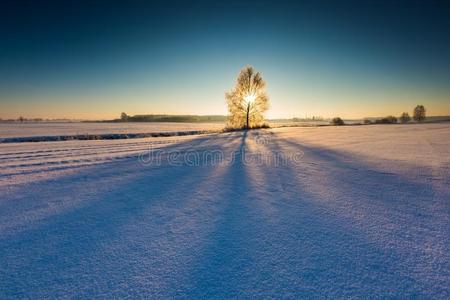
248	101
419	113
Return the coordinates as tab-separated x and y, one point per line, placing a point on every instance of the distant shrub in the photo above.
391	119
337	121
231	129
387	120
367	121
405	118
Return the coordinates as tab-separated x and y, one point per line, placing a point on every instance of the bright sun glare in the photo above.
250	98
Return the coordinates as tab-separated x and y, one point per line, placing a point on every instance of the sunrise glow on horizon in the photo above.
349	59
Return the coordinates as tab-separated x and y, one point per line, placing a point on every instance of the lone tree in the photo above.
124	117
248	101
405	118
419	113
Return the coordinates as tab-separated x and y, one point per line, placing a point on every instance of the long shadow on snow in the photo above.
220	268
298	249
89	180
59	255
391	247
352	178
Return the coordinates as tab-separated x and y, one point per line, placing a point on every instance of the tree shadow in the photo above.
126	227
280	238
397	221
237	230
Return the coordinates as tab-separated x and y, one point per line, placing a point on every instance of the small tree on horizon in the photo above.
248	101
419	113
123	117
337	121
405	118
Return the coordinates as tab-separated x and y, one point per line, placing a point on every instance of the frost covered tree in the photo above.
248	101
419	113
405	118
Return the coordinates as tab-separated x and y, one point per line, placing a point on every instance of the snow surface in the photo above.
359	211
9	130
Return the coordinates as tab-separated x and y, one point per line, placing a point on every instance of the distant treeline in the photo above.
170	118
404	118
419	116
36	120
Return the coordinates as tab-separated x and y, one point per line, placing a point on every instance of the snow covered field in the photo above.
8	130
338	212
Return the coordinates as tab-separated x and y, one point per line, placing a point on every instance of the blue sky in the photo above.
95	59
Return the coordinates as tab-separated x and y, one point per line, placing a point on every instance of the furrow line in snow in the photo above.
6	155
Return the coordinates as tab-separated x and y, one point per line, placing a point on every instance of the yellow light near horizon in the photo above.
250	98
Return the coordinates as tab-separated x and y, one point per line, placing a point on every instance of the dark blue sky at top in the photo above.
67	45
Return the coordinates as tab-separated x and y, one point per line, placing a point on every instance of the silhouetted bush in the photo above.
405	118
337	121
367	121
391	119
230	129
387	120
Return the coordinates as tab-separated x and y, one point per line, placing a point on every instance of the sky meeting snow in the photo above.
95	59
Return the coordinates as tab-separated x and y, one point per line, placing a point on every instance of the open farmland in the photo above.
334	212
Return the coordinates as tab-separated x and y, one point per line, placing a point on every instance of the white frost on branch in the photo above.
248	101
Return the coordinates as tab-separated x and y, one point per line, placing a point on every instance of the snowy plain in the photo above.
29	129
324	212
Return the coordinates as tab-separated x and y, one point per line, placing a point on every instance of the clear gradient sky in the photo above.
95	59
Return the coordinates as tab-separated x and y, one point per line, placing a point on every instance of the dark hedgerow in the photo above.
337	121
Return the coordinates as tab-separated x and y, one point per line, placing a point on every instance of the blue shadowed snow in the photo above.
332	224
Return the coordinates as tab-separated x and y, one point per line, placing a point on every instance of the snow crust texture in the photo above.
328	212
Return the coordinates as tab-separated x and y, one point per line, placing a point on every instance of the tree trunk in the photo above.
248	113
